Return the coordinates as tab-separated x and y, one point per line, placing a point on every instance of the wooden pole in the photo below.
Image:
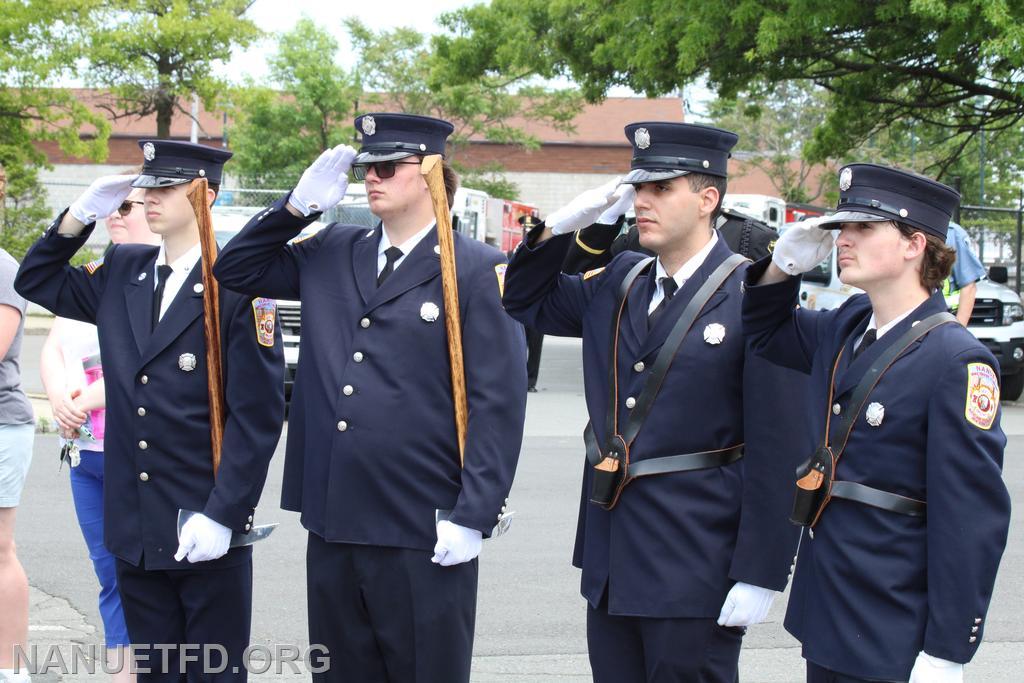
432	173
211	316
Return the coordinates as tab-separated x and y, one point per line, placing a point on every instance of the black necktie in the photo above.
162	273
867	340
669	286
392	254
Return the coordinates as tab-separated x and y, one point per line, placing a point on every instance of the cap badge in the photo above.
845	179
429	311
369	125
714	333
187	362
149	151
874	414
642	138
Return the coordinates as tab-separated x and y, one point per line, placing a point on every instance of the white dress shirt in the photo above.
406	247
180	270
683	274
884	328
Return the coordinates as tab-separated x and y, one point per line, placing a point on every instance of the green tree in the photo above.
772	123
154	54
955	64
41	43
399	70
277	133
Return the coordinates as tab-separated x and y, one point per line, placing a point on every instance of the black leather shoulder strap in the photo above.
877	369
668	350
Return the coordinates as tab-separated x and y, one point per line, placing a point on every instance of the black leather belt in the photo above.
685	462
892	502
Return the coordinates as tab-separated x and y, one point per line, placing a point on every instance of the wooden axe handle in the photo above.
211	316
431	171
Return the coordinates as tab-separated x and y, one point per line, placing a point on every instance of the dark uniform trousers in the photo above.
651	650
389	614
157	451
873	587
372	452
657	567
534	345
188	606
819	674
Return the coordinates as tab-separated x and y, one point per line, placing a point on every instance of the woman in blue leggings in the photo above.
72	374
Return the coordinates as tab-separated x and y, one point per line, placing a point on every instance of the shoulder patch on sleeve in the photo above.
982	395
93	266
264	313
499	270
593	273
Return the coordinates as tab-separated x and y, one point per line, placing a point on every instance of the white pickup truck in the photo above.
997	320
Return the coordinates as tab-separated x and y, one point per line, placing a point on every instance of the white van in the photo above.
997	320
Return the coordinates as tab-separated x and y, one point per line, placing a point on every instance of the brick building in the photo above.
563	166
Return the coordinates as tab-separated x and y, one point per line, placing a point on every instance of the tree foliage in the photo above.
277	133
955	65
41	43
772	126
154	54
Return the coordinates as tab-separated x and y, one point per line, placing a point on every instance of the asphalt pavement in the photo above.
530	621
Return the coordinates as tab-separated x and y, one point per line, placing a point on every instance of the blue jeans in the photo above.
87	491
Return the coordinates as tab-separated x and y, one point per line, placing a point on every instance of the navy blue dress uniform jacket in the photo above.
873	588
372	449
157	447
675	543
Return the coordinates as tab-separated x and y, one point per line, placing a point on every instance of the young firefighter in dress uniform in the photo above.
682	535
147	303
373	457
895	574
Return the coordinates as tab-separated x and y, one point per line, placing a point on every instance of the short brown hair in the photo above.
702	181
451	182
938	258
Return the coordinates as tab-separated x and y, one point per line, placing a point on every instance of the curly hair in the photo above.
938	258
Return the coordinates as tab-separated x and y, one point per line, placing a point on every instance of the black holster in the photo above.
814	481
609	475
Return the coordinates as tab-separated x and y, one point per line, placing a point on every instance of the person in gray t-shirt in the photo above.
17	429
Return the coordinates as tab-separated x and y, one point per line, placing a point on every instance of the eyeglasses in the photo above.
383	169
127	206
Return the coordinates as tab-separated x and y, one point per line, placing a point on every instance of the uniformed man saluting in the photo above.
682	535
147	303
373	456
906	509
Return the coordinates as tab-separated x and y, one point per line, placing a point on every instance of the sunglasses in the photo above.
383	169
127	206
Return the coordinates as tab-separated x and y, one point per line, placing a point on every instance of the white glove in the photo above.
202	539
585	209
626	196
455	544
928	669
323	184
746	605
802	247
102	198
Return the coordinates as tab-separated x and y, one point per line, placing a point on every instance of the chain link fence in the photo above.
996	232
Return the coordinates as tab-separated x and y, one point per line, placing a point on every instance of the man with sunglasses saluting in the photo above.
373	459
192	589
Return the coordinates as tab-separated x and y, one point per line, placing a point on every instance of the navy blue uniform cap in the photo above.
869	193
173	162
663	150
387	137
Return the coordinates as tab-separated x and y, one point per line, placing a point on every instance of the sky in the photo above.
281	15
